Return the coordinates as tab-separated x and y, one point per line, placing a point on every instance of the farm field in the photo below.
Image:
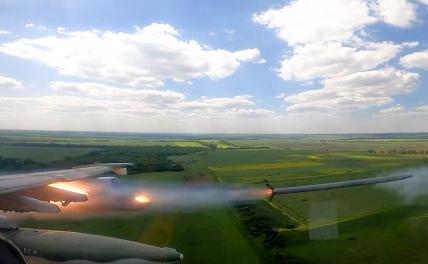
366	224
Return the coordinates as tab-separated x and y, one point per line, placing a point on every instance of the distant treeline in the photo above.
58	145
145	159
401	151
19	164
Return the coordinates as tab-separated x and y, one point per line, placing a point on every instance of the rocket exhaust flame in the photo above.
142	199
189	196
71	187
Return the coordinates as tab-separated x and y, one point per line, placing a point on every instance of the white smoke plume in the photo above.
412	188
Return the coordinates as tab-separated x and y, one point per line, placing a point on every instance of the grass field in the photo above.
192	144
373	224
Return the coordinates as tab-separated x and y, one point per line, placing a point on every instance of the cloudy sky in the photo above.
302	66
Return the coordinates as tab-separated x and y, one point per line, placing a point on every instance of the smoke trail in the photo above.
190	195
143	197
410	189
157	198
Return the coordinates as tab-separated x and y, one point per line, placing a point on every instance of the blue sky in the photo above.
301	66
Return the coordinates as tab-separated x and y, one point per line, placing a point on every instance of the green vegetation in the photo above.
145	159
373	224
189	144
42	154
18	164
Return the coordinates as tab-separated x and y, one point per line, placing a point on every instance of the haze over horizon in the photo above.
302	66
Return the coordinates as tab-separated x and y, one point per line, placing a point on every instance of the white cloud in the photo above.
147	57
424	1
330	43
396	109
62	113
415	60
92	106
151	98
221	102
38	105
252	55
355	91
100	91
328	38
29	25
281	96
422	108
95	98
318	60
5	32
10	83
251	113
307	21
400	13
94	103
37	27
60	30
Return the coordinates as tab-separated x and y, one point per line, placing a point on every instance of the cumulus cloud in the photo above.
396	109
147	57
415	60
317	60
55	104
329	43
10	83
422	108
327	37
251	113
5	32
152	98
354	91
100	91
307	21
37	27
93	106
62	112
400	13
281	96
67	106
100	99
221	102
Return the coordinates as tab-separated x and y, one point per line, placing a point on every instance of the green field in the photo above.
193	144
367	224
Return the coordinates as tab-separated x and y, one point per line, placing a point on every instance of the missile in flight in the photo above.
335	185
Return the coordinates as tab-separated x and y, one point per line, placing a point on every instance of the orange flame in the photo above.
141	199
69	187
